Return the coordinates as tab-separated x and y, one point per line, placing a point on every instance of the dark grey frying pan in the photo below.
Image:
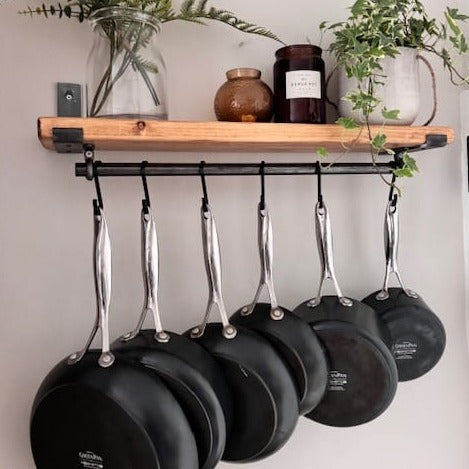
192	374
417	335
363	375
97	409
265	403
293	338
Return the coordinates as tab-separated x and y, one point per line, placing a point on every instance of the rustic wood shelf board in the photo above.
154	135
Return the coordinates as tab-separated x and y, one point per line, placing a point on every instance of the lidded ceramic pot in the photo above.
244	97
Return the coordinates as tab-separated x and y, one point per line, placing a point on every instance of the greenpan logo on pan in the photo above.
337	380
90	460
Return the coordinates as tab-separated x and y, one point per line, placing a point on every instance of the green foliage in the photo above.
322	152
378	142
195	11
408	168
347	123
128	38
390	113
376	29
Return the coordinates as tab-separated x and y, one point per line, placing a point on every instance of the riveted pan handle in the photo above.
102	277
326	255
213	268
150	272
391	248
265	240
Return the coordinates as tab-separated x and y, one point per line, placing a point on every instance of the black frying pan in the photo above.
265	403
97	408
363	375
417	335
192	374
293	338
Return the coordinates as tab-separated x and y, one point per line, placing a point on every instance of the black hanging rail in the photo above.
231	169
92	167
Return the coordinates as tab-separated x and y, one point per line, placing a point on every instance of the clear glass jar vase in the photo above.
126	74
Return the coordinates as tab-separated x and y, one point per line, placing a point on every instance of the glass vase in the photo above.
126	74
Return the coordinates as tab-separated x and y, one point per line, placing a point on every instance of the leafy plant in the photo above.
376	29
127	39
195	11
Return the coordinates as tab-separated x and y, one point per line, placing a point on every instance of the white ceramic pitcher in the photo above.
401	91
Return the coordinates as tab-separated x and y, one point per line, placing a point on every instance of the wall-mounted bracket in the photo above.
68	140
431	141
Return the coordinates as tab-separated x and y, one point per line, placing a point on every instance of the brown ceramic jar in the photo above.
244	97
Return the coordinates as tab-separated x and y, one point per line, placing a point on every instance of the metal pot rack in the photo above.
90	167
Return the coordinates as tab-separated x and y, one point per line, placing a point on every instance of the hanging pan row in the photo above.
230	390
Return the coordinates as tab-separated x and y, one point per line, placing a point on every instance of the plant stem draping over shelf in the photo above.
375	29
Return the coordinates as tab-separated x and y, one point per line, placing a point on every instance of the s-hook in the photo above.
96	183
204	186
319	174
144	182
392	195
262	173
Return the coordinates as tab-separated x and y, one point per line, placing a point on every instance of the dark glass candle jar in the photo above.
299	85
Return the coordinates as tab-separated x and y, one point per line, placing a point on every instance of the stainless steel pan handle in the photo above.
391	248
102	277
213	268
150	272
326	255
265	240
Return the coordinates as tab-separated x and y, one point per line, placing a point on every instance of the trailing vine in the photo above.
375	29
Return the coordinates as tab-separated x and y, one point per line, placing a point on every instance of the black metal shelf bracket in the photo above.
89	168
67	140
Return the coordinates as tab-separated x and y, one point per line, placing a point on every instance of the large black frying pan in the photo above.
363	375
96	409
417	335
265	403
190	372
293	338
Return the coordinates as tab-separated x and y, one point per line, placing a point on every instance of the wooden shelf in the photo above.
152	135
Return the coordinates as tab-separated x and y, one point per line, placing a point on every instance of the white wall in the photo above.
47	302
